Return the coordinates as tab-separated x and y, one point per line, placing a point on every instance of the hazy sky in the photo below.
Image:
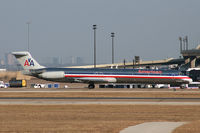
63	28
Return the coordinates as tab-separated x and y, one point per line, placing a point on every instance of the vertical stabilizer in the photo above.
26	60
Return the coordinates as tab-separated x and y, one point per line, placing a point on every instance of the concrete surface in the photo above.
153	127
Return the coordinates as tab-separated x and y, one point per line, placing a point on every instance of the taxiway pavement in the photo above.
153	127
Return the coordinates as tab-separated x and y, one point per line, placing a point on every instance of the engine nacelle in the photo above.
52	75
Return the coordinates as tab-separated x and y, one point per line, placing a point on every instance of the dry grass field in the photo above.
89	118
192	127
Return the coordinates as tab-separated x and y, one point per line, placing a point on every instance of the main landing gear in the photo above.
184	86
91	86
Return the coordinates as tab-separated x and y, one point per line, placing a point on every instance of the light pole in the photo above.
112	35
180	39
28	23
124	64
94	28
186	41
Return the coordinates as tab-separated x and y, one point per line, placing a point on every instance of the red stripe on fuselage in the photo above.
125	76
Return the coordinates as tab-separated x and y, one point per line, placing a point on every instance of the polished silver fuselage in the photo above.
144	76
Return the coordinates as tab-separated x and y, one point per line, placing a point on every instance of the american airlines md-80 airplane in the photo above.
94	76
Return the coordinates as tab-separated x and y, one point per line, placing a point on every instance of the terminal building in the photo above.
192	59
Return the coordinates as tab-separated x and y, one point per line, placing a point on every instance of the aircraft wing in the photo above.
95	80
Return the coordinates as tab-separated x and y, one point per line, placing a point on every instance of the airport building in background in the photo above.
10	63
62	62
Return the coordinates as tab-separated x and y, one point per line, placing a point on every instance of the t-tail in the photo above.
26	61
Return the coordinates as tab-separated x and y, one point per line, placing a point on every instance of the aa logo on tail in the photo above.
29	62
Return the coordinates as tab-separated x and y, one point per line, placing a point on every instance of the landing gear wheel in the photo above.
182	87
91	86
